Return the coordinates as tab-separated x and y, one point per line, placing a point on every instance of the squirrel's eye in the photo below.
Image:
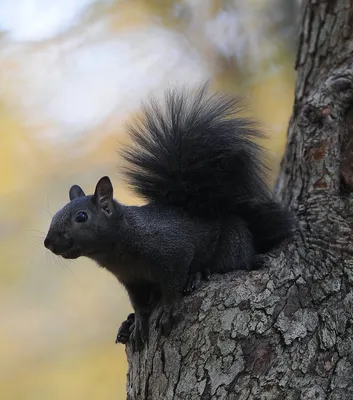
81	216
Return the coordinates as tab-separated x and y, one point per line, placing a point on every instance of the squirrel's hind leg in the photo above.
195	280
236	247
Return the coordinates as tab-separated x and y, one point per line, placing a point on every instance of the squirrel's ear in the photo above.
76	191
104	191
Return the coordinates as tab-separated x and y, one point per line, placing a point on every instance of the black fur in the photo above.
209	208
197	153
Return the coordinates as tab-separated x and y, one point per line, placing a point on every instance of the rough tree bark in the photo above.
286	331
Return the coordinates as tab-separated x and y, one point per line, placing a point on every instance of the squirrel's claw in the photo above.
195	280
193	283
125	329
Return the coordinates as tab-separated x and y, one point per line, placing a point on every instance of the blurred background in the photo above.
72	73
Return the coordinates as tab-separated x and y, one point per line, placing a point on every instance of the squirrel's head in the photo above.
85	225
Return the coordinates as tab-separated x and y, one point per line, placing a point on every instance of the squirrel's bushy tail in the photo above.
196	152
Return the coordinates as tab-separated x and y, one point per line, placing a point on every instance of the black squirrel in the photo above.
209	208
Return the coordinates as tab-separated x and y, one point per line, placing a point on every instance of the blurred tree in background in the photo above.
72	73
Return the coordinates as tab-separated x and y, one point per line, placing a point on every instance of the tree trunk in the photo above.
286	331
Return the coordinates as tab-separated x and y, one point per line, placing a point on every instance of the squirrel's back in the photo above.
196	152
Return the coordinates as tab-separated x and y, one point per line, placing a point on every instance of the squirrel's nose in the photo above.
57	242
49	243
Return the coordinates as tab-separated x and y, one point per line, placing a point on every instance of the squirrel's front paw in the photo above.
125	329
139	335
165	320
